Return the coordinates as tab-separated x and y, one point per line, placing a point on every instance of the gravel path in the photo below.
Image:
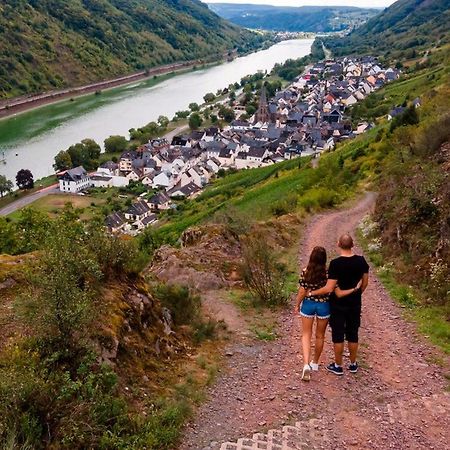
397	400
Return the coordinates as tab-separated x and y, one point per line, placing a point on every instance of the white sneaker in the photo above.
306	374
314	366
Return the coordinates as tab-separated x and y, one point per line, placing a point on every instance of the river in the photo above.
31	140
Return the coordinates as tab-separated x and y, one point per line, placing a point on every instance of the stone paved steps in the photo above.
306	435
312	434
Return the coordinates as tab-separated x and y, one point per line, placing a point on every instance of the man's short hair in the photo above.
346	242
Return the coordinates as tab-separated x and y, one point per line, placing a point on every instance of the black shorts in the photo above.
345	323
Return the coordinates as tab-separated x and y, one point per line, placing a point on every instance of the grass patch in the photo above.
431	320
242	299
53	204
265	332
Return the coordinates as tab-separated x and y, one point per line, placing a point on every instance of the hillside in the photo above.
304	18
93	304
400	30
49	44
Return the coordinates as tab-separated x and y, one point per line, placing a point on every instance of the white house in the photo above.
159	201
120	181
147	180
350	100
143	223
214	164
116	180
162	179
359	95
198	177
74	180
133	176
255	156
189	191
116	222
102	180
241	161
126	162
138	211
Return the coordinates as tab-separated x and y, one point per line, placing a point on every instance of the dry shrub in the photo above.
264	275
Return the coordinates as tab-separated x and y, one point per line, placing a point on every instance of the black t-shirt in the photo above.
348	270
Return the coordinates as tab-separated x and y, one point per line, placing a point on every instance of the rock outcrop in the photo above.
209	258
136	330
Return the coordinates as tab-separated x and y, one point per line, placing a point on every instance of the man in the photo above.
345	272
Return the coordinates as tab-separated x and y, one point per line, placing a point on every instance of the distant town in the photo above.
306	118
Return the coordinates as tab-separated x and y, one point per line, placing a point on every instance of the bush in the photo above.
83	404
183	304
115	144
204	331
318	198
286	206
264	275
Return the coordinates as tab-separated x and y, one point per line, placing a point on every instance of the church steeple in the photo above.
262	115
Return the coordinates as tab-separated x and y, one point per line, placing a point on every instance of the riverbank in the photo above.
16	106
21	104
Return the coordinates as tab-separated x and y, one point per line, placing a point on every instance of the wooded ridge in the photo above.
52	44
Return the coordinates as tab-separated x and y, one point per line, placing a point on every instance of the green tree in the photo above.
85	153
226	114
250	110
63	161
183	114
58	303
163	122
5	185
8	236
24	179
195	121
194	107
408	117
115	144
32	229
209	97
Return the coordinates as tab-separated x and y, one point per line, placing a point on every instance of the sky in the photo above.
360	3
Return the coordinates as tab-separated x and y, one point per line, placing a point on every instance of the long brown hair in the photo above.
316	272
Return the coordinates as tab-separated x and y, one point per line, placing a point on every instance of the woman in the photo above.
312	278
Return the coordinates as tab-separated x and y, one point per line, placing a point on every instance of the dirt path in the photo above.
397	400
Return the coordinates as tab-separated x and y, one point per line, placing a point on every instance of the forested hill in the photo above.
404	27
47	44
304	18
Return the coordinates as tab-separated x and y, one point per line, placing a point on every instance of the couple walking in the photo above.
333	296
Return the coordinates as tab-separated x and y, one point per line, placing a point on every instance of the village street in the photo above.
28	199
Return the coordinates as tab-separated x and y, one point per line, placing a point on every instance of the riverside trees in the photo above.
84	153
24	179
5	185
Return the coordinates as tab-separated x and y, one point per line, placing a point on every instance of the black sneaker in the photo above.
353	367
335	369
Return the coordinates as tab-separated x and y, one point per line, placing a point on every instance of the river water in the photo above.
32	139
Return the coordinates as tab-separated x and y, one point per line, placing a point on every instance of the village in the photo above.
306	118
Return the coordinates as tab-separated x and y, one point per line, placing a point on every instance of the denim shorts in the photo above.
311	308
